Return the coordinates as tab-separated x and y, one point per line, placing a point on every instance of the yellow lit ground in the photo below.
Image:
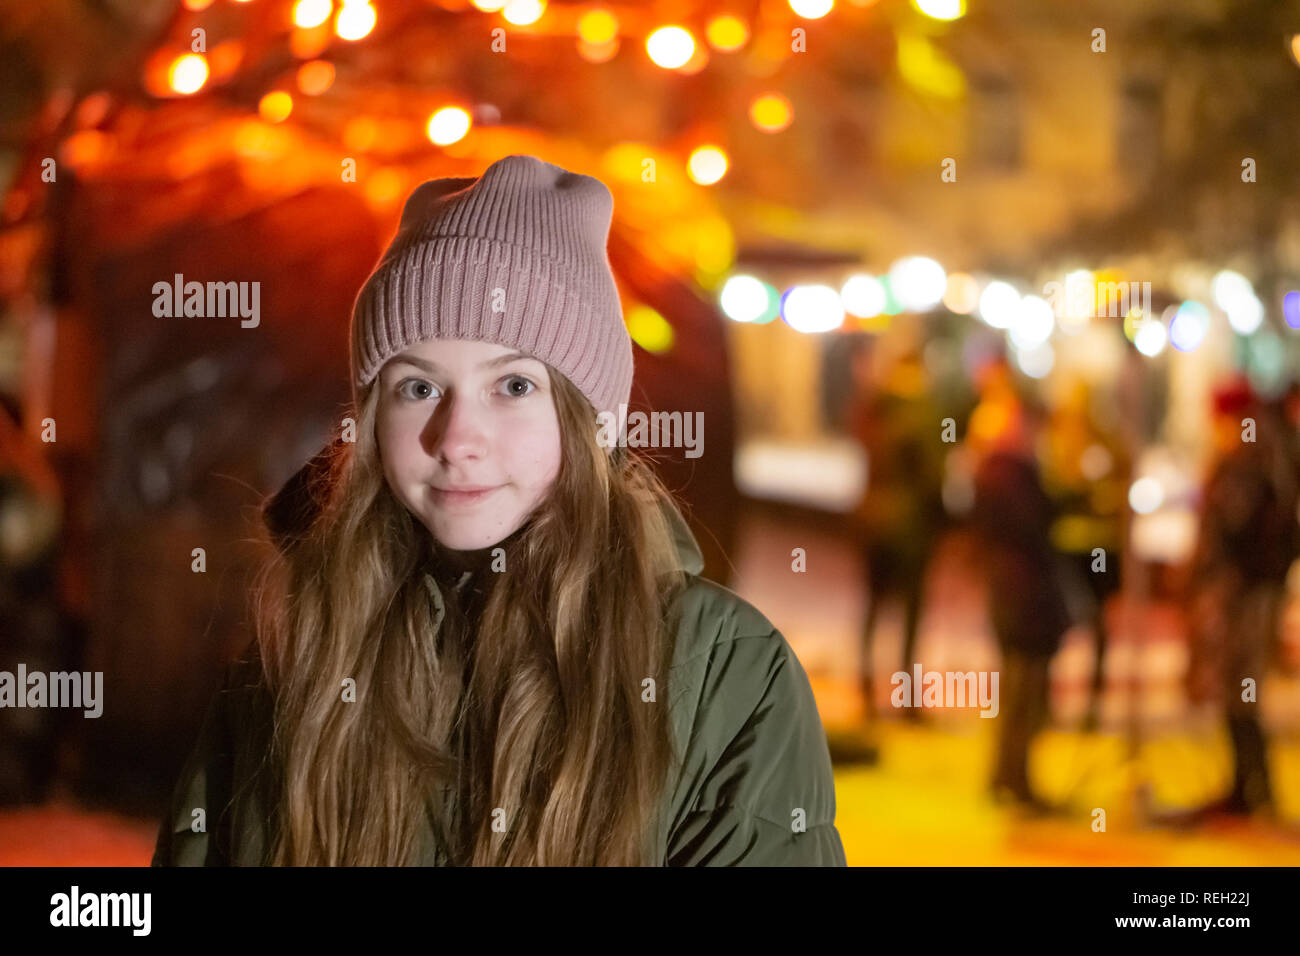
924	804
924	801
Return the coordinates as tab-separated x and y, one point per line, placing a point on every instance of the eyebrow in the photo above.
435	367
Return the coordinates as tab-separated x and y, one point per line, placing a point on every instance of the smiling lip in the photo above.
462	496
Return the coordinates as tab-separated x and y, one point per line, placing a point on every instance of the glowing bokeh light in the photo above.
315	77
745	298
649	329
311	13
1189	325
523	12
962	293
706	165
812	9
355	20
918	282
670	47
1037	361
1291	309
275	106
1146	495
812	308
999	304
1033	323
1150	337
1246	315
447	125
727	33
863	296
188	73
598	27
941	9
771	112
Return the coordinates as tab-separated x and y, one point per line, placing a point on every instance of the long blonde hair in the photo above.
532	706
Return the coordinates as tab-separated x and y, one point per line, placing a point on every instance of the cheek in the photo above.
399	443
535	451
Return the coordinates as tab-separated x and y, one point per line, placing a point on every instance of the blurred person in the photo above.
1011	517
541	676
1085	473
901	515
34	629
1248	539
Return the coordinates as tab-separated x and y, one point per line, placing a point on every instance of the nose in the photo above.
459	430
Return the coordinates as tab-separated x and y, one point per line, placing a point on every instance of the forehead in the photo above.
461	354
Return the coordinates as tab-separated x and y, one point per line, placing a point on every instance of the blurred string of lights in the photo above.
863	302
598	31
310	29
1032	325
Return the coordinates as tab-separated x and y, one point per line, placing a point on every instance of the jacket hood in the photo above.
289	512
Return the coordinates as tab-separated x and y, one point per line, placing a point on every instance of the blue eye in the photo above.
519	378
402	389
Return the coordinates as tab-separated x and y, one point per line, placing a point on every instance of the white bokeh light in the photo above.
1033	323
863	296
1145	495
1036	362
744	298
1150	338
813	308
1188	327
918	282
999	304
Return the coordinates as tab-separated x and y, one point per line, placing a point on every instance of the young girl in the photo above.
483	639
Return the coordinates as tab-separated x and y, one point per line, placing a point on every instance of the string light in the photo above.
706	165
315	77
188	73
918	282
727	33
746	298
961	293
597	27
771	112
941	9
863	296
311	13
812	9
448	125
998	304
275	107
648	329
670	47
355	20
812	308
1291	309
523	12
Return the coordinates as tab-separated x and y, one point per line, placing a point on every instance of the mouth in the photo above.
463	496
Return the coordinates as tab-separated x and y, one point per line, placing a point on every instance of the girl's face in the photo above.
469	438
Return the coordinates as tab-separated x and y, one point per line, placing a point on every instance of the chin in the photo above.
466	539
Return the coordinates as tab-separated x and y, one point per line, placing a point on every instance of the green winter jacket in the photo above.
755	787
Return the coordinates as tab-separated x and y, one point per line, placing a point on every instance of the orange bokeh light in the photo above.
316	77
187	73
275	106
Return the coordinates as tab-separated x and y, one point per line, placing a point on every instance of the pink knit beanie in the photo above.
516	257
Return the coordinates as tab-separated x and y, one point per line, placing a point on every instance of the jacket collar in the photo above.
689	557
